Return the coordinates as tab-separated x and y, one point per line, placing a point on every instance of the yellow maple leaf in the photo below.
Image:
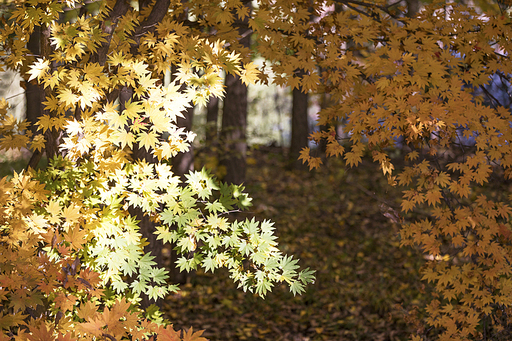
71	213
249	74
39	69
73	127
132	109
54	210
148	139
116	58
123	138
159	120
68	97
45	123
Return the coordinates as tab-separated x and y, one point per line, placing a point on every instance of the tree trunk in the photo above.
300	128
413	7
234	117
234	125
212	116
146	226
33	96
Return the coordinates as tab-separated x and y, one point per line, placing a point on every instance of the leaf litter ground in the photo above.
366	288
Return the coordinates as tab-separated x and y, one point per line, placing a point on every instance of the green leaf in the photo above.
209	264
215	207
160	275
307	276
146	261
119	285
296	287
138	286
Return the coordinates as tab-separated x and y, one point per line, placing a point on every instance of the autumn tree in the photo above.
423	80
74	263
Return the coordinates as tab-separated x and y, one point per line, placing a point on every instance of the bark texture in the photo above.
212	117
234	125
300	128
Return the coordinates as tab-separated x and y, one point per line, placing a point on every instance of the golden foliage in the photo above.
392	79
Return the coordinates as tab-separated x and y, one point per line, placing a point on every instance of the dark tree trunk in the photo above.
413	7
234	118
36	95
33	96
234	125
212	116
300	128
146	226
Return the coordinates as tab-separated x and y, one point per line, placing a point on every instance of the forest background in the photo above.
420	93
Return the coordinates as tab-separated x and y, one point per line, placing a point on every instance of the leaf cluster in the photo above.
75	261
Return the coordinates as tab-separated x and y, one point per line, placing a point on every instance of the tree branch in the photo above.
157	14
120	8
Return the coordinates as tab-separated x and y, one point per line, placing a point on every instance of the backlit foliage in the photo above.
73	264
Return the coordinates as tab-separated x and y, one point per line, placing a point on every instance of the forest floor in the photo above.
366	288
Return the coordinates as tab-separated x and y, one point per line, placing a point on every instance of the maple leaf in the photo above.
116	121
93	326
77	237
71	213
65	337
310	82
39	69
68	97
132	109
45	122
65	302
41	333
249	74
116	58
87	310
304	155
168	333
11	320
124	138
148	139
189	335
74	127
433	196
54	210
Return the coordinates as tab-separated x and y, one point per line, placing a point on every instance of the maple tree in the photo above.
74	260
423	83
74	263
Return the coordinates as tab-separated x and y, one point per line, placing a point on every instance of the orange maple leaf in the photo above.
189	335
41	333
167	334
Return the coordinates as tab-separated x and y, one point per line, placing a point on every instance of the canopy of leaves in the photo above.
422	83
73	262
419	81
